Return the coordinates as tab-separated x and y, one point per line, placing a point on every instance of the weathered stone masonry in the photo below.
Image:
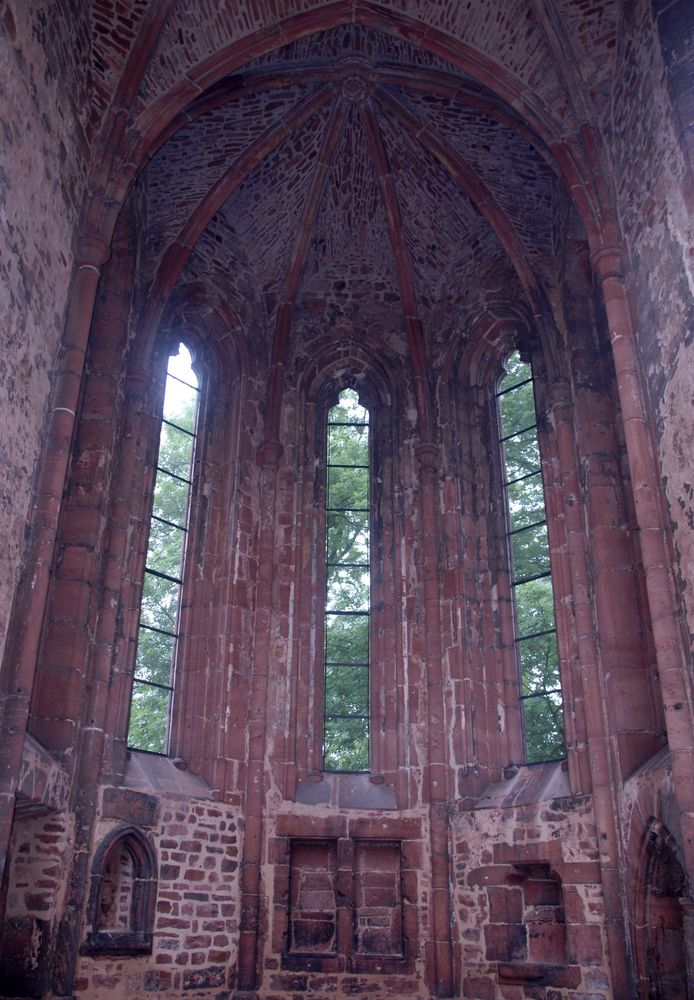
388	197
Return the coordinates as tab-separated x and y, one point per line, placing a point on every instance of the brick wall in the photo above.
529	903
35	892
196	925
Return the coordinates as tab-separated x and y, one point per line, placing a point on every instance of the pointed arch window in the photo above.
153	684
531	573
346	622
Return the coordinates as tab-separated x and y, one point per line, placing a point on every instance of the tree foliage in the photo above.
347	553
161	592
534	603
348	590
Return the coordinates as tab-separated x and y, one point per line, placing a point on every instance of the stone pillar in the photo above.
656	550
603	773
23	641
268	459
440	949
94	541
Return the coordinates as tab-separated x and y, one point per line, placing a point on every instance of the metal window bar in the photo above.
536	635
183	430
164	576
348	663
347	565
170	524
519	479
539	694
336	611
174	475
516	385
179	527
523	430
526	527
177	378
517	581
154	684
530	579
159	631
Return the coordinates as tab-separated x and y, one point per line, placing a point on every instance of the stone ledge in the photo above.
43	784
539	974
148	772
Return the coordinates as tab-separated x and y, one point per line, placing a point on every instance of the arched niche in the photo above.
661	925
120	914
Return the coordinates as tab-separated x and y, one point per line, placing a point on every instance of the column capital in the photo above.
608	261
91	251
137	383
427	454
269	454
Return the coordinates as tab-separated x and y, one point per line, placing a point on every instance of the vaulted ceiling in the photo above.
416	160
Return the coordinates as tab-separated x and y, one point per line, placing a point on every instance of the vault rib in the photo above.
472	186
280	340
403	265
180	248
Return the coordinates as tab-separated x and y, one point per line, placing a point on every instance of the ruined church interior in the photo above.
347	499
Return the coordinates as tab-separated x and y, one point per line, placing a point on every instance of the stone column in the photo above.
268	459
603	773
23	640
441	950
656	550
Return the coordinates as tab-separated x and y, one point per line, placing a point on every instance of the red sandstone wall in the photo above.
40	852
655	199
198	846
44	55
499	850
511	864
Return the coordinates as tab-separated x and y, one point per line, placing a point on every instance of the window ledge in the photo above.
530	784
346	791
122	943
148	772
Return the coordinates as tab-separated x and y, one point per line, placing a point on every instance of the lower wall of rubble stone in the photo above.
196	918
345	899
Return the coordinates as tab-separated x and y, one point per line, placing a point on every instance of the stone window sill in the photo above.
122	943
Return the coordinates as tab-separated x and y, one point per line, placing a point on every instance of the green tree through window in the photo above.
536	644
161	593
348	587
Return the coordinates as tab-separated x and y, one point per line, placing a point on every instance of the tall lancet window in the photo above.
348	587
150	708
536	644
